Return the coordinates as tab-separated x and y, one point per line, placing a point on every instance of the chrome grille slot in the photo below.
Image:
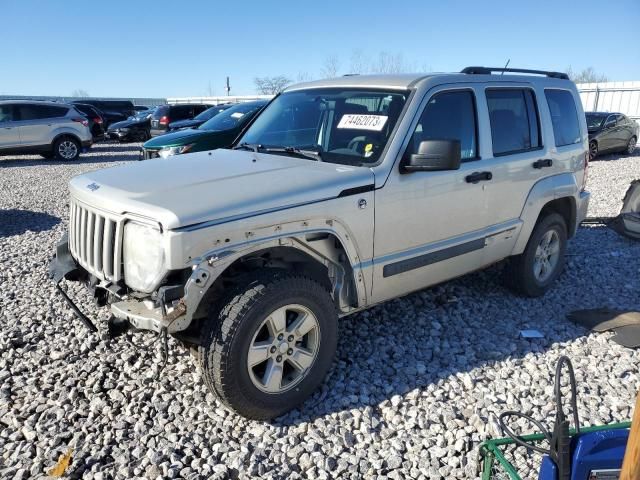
95	241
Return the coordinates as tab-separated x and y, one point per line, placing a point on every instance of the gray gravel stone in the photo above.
417	384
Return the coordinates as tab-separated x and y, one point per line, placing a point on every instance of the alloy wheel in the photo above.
283	349
68	150
631	146
547	256
593	150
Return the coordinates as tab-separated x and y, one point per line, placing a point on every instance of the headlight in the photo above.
168	151
143	257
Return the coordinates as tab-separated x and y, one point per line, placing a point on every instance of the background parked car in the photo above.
48	128
611	132
165	114
96	122
113	110
134	129
218	132
198	119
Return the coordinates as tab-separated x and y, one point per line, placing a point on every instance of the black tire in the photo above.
62	149
631	145
230	329
593	150
519	272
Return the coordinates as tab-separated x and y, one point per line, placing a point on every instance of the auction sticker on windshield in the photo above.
363	122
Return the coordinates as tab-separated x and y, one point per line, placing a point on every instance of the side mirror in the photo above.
433	155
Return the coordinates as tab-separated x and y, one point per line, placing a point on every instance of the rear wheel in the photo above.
269	344
542	261
593	150
631	146
66	148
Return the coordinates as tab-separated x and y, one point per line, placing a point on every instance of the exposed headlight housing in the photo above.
168	151
143	254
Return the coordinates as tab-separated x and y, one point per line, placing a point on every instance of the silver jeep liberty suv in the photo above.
341	194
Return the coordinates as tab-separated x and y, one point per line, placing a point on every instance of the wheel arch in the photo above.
61	135
320	255
552	194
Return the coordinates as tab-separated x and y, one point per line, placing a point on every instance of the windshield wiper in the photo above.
310	154
248	146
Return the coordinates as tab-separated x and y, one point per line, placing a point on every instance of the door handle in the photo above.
547	162
476	177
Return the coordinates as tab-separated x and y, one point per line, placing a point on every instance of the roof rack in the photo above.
490	70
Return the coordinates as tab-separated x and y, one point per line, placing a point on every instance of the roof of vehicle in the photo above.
34	102
409	80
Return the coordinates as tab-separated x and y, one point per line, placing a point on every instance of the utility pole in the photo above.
228	87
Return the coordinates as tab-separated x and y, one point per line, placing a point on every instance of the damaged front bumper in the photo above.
165	312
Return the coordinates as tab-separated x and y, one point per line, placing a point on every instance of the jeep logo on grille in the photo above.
93	186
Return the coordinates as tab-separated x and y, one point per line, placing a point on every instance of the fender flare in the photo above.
544	191
208	267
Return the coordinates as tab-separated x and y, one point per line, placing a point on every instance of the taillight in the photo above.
83	121
97	120
586	169
164	120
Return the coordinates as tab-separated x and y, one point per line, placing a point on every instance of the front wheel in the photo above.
542	261
269	344
631	145
66	148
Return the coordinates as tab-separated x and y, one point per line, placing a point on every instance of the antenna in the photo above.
505	66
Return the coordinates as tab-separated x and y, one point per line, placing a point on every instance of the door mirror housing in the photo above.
432	156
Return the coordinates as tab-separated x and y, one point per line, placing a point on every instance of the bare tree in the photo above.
588	75
359	62
79	92
271	85
303	77
330	67
389	63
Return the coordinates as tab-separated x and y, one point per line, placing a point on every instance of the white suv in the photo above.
48	128
341	194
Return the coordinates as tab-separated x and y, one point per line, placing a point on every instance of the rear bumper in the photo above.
155	132
582	205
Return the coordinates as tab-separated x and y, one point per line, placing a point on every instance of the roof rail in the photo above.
490	70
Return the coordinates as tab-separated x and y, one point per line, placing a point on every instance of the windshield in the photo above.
209	113
344	126
232	117
594	120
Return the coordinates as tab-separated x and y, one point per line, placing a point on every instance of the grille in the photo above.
95	241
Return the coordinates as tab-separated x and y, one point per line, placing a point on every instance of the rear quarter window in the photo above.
36	112
564	116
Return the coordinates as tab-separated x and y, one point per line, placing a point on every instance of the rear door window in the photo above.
564	117
449	116
6	113
515	124
37	112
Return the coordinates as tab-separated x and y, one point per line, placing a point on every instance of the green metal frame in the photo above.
491	453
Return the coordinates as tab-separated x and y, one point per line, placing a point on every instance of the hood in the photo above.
185	123
214	186
126	124
172	139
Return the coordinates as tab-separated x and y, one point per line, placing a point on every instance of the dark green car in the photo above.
217	132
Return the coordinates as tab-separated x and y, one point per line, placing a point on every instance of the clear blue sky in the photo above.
158	49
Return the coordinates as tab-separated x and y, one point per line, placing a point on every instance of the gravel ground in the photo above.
416	386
